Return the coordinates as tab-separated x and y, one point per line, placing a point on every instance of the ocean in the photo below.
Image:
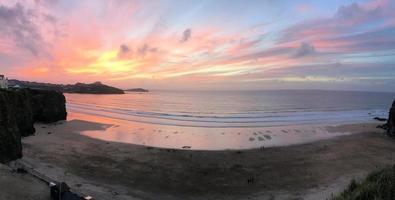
218	120
236	108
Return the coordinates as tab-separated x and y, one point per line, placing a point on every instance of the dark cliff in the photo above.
19	110
391	121
48	106
22	108
10	136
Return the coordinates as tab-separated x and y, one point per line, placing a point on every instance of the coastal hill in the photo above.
81	88
136	90
93	88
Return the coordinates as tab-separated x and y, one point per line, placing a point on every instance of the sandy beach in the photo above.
197	100
113	170
16	186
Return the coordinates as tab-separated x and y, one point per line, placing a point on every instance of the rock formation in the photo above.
10	136
48	106
93	88
137	90
23	111
19	110
391	121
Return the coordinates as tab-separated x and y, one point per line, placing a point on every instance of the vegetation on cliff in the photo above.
378	185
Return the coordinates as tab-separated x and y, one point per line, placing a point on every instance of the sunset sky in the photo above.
201	44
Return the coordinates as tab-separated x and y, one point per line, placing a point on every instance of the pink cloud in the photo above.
304	7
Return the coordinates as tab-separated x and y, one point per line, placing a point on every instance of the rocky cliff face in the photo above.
23	112
391	121
10	136
48	106
18	112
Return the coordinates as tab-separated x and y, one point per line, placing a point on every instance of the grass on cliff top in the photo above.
379	185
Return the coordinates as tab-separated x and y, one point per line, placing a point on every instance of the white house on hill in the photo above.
3	82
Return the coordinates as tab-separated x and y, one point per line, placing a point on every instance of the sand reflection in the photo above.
198	138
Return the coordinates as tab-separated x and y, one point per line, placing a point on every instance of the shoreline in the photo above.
110	170
214	139
177	120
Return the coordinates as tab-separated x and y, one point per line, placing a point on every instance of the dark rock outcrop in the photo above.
137	90
48	106
23	111
19	109
391	121
10	136
93	88
380	119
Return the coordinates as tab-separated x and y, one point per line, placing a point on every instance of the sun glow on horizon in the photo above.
107	62
202	44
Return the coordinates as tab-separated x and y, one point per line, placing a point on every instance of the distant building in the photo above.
11	86
3	82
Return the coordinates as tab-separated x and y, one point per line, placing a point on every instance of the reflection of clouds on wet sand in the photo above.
207	138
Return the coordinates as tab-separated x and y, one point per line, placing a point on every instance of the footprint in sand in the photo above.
167	136
251	139
223	133
260	138
284	131
175	132
260	132
238	133
268	137
296	130
268	131
255	133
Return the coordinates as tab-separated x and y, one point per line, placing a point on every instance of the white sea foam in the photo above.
235	109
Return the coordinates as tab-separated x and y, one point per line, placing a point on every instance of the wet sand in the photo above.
203	138
111	170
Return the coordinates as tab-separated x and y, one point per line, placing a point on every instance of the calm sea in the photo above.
220	109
